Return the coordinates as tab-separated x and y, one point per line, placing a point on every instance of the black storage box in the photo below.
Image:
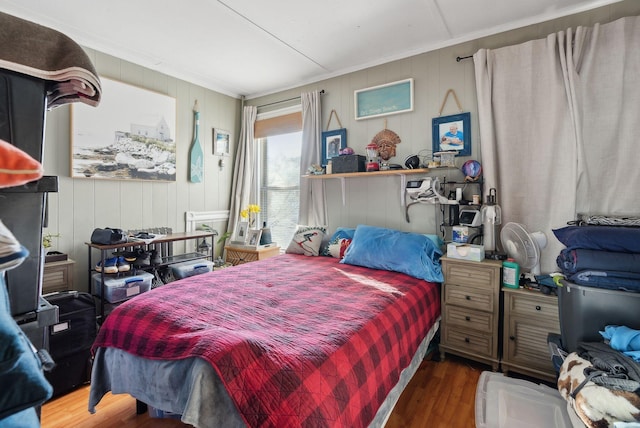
70	340
347	163
585	311
23	105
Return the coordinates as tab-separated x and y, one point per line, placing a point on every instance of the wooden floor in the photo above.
441	394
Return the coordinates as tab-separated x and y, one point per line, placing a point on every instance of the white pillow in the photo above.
307	240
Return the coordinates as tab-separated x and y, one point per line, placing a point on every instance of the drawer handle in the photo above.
538	307
466	339
467	297
468	318
512	338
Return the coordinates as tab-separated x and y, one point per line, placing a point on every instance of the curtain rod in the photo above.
284	101
460	58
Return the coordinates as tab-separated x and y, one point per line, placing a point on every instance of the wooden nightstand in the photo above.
471	310
238	255
529	316
58	276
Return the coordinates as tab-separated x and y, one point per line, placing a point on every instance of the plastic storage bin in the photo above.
191	268
71	339
504	402
585	311
122	288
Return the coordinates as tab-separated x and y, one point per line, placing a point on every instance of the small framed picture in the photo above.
332	143
221	141
452	133
253	237
242	230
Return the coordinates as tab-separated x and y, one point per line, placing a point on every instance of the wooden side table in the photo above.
240	255
57	276
529	317
470	323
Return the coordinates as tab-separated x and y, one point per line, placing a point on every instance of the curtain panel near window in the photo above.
558	120
313	207
243	184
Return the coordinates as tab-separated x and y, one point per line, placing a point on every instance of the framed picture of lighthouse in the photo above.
130	135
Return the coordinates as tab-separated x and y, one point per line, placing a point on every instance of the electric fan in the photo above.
524	247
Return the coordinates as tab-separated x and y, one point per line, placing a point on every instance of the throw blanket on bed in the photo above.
297	341
34	50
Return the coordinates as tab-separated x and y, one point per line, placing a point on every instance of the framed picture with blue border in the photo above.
452	133
332	143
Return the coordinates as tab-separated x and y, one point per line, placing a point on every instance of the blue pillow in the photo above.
606	238
388	249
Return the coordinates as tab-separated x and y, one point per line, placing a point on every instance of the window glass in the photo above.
279	164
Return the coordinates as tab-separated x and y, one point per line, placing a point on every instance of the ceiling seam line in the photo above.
273	35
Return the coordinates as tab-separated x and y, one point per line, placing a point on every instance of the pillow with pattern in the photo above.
339	247
340	233
307	240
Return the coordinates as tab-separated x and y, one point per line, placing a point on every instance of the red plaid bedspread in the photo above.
297	341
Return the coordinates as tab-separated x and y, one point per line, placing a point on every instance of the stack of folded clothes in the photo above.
601	256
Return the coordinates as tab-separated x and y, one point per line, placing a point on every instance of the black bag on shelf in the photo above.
108	236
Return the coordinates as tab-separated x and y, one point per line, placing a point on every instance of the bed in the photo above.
288	341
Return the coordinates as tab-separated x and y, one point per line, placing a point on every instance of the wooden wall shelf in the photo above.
342	176
368	174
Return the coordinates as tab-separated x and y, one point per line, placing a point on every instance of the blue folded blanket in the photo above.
623	339
571	261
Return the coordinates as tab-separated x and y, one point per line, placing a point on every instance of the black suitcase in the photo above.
70	340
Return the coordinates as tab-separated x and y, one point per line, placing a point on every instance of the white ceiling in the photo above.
256	47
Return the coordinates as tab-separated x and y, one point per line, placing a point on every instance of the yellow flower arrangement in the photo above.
250	213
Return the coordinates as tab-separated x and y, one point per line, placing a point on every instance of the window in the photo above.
278	162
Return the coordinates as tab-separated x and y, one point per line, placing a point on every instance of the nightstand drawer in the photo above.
475	275
536	305
469	297
468	318
468	341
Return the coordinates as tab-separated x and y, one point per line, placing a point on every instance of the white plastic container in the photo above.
504	402
191	268
118	289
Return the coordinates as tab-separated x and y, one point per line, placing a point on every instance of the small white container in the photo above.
465	252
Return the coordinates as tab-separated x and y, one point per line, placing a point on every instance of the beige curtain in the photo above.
313	207
243	184
557	118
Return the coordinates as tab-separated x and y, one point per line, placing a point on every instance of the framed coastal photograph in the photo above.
253	237
332	143
129	136
221	141
452	133
382	100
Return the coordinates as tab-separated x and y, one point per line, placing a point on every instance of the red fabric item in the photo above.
16	166
297	340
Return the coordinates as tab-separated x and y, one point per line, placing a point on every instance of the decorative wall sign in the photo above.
129	136
221	142
382	100
452	133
